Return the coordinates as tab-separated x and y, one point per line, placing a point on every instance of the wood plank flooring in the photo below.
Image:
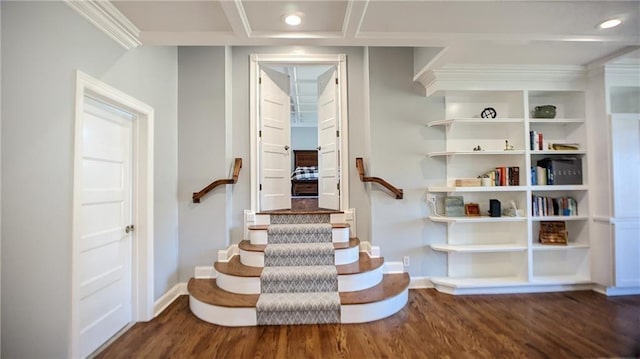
549	325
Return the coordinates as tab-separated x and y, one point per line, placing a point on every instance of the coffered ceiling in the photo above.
559	25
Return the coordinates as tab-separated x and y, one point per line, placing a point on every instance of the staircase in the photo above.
298	268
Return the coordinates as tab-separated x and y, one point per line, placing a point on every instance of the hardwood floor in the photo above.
570	324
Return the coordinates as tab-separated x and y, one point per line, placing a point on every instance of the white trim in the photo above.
361	313
143	204
169	297
420	283
108	19
616	291
504	77
354	17
225	254
237	17
205	272
225	316
393	267
340	61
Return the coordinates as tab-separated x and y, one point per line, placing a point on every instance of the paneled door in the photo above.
328	156
106	230
275	137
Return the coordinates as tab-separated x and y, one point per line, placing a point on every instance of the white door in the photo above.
105	279
328	154
275	141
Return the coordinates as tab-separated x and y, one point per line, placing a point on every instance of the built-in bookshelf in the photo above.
501	254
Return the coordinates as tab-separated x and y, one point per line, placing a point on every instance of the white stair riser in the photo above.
259	236
362	313
334	218
359	281
225	316
342	256
239	285
346	283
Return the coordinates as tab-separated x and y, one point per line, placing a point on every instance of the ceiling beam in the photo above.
237	17
356	10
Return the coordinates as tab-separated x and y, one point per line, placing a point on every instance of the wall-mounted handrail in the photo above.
360	166
236	172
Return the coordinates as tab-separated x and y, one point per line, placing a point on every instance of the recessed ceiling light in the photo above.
609	23
293	19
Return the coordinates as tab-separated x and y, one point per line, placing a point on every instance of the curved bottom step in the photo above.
214	305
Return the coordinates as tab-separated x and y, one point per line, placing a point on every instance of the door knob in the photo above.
319	148
286	148
128	228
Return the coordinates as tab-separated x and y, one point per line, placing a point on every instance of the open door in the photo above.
328	137
275	136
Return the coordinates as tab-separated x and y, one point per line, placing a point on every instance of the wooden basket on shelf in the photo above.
554	233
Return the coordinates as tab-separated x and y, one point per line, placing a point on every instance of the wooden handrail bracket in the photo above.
236	172
360	166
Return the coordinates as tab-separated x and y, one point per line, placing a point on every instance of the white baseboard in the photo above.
225	254
420	283
616	291
374	251
393	267
205	272
167	298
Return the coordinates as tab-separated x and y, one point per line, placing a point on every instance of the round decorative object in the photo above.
489	112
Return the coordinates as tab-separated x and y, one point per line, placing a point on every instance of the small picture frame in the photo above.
472	209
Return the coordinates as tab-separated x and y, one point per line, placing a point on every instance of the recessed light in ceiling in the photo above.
293	19
609	24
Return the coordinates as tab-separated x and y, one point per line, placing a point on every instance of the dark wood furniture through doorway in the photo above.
305	187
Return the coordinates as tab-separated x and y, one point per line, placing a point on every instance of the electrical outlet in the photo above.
405	261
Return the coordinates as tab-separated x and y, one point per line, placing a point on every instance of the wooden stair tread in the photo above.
364	264
391	285
264	227
247	246
207	291
235	268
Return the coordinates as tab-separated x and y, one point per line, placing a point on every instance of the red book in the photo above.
540	146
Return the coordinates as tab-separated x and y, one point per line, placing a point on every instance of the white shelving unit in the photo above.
502	254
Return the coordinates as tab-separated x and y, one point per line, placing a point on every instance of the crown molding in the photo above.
108	19
623	74
504	78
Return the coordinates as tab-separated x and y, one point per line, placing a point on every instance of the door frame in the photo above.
142	199
340	61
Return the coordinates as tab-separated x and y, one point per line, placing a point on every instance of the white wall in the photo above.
399	142
43	43
201	156
304	138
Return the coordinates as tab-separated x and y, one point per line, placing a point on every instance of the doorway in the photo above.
112	249
299	130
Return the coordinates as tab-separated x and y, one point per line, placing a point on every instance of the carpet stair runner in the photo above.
299	280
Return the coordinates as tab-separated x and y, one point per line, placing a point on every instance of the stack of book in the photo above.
548	206
504	176
536	142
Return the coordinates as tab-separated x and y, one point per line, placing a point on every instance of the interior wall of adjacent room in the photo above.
43	43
